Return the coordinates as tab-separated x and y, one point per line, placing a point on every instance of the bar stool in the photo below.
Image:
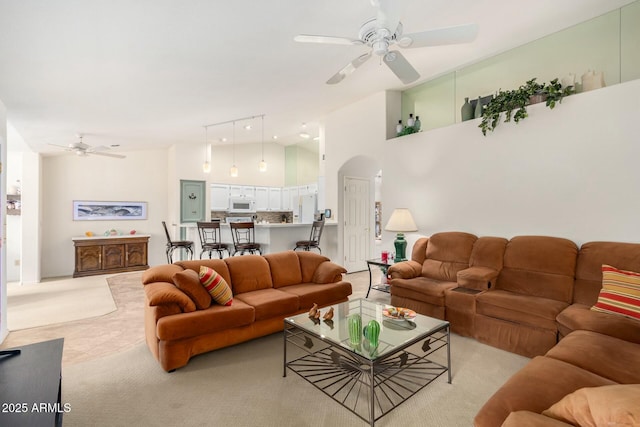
244	238
173	244
314	237
210	240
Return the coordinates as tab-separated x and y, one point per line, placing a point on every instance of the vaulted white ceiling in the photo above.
151	73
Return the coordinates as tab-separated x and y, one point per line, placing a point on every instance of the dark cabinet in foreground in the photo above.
103	255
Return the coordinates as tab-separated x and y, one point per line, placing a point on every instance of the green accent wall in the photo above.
608	43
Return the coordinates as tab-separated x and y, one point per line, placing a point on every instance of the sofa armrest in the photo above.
160	273
531	419
328	272
163	293
405	270
479	278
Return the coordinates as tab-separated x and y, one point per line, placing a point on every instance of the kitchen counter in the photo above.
275	237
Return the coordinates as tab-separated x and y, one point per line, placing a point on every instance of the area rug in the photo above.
243	386
59	301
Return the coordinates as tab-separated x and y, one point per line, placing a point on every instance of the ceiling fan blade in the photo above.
349	68
441	36
401	67
308	38
64	147
98	148
100	153
389	13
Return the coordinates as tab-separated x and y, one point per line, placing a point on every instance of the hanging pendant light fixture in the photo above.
262	166
234	170
206	166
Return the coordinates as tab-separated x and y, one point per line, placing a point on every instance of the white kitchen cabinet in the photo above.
242	191
275	198
262	198
286	200
219	197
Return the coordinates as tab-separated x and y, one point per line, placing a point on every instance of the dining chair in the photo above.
175	244
210	240
314	237
244	238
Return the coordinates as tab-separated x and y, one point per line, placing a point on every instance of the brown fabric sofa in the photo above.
532	295
180	324
581	359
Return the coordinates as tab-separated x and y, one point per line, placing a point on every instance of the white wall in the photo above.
569	172
65	178
356	132
3	276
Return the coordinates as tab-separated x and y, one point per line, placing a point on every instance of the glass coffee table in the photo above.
370	382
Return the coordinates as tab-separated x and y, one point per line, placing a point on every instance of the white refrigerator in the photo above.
307	208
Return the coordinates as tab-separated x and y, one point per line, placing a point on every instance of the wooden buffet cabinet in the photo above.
110	254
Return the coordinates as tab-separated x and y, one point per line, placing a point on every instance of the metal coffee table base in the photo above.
368	388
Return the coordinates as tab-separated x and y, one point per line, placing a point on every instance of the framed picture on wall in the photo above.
84	210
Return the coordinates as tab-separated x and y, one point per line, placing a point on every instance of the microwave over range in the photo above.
242	205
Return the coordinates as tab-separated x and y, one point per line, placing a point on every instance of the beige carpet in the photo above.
59	301
243	386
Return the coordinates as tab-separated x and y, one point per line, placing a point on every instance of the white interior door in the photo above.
357	229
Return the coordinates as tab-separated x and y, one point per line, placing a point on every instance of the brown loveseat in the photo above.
524	295
180	324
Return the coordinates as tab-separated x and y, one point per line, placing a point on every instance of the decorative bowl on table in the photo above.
398	313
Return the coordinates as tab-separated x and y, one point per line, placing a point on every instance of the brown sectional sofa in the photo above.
529	295
266	289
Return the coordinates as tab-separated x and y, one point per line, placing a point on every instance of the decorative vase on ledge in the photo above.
478	112
466	110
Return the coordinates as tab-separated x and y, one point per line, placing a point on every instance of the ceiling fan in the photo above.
81	149
384	31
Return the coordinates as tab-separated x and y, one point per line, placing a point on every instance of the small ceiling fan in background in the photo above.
384	31
81	149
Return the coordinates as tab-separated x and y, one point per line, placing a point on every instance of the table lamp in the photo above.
401	221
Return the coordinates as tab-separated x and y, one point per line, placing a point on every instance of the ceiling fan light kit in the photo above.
385	31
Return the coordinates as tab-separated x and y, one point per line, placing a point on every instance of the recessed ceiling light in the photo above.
275	137
223	139
247	127
304	135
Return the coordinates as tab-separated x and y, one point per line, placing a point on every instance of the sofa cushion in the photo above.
606	356
592	256
421	289
189	283
269	303
620	293
520	309
532	419
213	319
579	316
447	253
219	265
541	383
163	293
249	273
539	266
160	273
321	294
309	262
612	405
216	286
285	268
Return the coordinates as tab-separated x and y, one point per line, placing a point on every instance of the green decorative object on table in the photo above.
372	333
355	330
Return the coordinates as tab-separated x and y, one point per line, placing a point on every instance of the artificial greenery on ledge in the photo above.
513	103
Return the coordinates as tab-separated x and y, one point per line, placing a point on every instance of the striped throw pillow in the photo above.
620	293
216	286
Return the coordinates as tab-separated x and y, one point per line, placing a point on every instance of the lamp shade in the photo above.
401	221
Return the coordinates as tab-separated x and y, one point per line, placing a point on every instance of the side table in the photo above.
378	263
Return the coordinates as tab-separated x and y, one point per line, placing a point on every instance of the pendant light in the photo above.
262	166
234	170
206	166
